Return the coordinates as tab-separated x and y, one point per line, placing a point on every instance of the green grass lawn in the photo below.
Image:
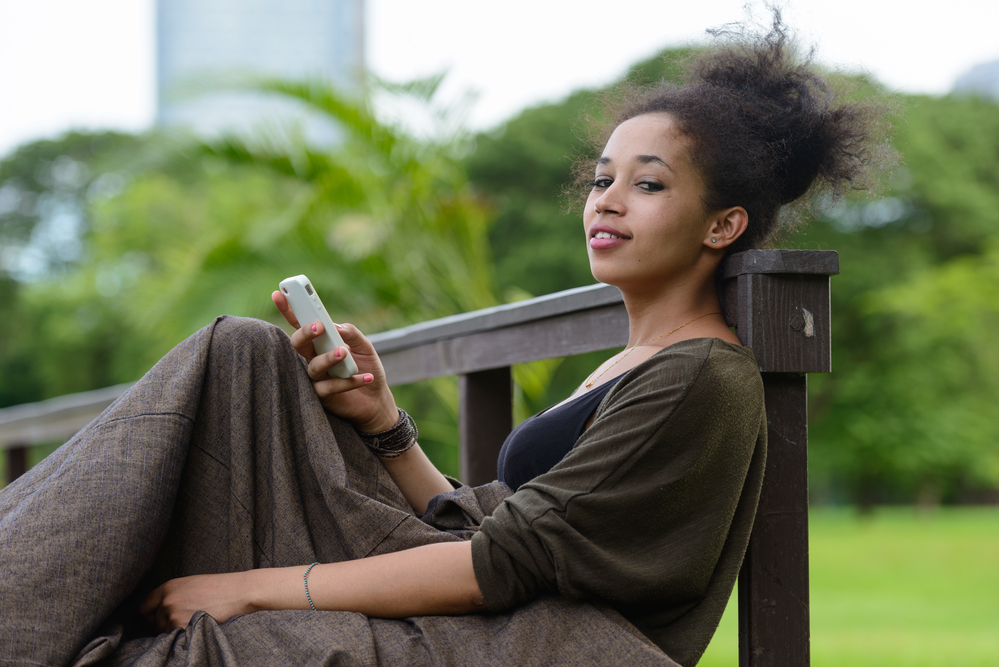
898	588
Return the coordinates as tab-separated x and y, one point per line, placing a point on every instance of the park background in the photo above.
138	238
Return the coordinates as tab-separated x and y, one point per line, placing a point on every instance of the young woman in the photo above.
221	502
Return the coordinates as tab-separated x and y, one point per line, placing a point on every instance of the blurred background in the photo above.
164	161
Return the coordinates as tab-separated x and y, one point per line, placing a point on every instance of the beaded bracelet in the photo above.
393	442
305	578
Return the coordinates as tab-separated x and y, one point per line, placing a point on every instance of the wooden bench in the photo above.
778	302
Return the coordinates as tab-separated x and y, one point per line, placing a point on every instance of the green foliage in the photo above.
906	413
56	339
951	149
18	381
523	168
45	189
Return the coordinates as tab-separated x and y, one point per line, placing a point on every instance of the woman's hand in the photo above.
219	595
365	398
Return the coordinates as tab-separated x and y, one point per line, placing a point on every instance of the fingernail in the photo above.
336	353
315	328
368	377
337	325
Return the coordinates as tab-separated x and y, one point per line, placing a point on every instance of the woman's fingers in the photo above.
281	301
156	609
302	339
150	604
332	386
355	340
319	367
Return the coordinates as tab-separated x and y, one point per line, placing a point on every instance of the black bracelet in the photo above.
396	440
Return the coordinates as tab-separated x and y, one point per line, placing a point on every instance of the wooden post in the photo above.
779	303
17	462
485	403
773	583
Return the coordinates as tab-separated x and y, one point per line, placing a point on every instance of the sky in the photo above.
90	65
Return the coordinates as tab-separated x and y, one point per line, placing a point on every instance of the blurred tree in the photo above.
906	412
19	380
46	191
45	188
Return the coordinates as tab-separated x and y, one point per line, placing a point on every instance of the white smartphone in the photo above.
308	308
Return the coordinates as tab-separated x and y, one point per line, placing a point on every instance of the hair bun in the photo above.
784	103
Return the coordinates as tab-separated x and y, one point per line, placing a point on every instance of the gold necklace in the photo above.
590	380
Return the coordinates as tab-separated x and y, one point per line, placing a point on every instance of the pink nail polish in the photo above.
369	377
315	328
337	325
336	353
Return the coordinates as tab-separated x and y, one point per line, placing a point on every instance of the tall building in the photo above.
205	41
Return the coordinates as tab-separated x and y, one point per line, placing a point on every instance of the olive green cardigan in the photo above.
651	511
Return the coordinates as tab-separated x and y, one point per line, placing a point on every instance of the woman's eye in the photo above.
651	186
601	182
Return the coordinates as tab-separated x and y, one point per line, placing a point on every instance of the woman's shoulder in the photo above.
719	350
696	359
698	368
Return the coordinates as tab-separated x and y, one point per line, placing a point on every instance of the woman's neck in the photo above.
684	310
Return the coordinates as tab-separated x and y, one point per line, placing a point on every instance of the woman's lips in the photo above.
604	243
602	237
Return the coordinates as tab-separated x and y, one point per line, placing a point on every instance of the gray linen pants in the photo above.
221	459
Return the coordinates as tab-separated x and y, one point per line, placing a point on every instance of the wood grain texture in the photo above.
773	582
785	320
563	335
485	404
512	314
800	262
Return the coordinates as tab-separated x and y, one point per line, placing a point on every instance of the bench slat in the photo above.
559	336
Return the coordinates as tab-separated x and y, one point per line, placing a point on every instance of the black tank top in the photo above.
539	442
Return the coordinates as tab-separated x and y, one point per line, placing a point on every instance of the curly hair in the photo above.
763	128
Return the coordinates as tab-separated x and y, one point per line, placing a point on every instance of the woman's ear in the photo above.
726	227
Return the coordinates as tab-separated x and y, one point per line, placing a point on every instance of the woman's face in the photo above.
644	219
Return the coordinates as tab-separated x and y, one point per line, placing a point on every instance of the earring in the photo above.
714	240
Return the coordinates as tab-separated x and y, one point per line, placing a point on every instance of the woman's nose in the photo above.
609	202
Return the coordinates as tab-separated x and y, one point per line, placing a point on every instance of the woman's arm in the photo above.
430	580
366	400
416	477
